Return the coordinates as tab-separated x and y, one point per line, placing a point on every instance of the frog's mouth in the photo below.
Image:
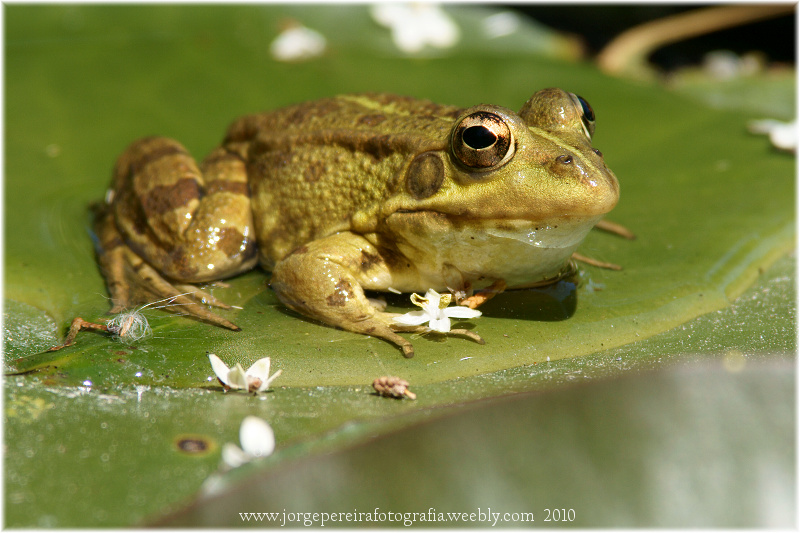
559	233
443	230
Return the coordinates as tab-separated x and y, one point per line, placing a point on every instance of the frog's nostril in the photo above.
598	152
566	159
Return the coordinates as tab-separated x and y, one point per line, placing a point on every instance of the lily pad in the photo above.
711	205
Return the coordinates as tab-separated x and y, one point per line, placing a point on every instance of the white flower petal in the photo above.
764	126
233	456
219	368
265	383
259	369
461	311
386	14
440	324
440	29
433	297
784	137
257	437
237	378
408	38
297	44
412	318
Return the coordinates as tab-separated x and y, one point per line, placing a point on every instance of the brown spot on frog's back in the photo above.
163	198
300	251
232	242
152	149
342	293
369	260
377	146
315	171
371	120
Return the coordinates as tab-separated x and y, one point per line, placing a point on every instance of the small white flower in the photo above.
435	311
500	24
257	440
297	43
416	25
254	379
783	135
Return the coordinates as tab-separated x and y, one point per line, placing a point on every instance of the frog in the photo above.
349	195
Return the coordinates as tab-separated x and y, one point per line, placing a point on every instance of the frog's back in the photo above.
374	112
326	166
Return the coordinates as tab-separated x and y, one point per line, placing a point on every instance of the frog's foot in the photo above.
325	279
468	334
424	330
484	295
78	325
616	229
595	262
337	300
131	281
201	296
610	227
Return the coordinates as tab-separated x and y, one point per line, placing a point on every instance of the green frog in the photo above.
366	192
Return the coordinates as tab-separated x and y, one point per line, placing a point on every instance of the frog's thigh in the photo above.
191	225
322	280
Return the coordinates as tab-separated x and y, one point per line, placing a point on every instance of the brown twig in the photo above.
627	53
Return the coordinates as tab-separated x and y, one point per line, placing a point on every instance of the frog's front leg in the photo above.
166	223
325	279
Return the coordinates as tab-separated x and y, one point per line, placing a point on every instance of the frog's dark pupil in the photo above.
478	137
588	112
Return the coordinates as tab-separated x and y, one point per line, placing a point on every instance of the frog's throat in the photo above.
566	232
521	252
443	230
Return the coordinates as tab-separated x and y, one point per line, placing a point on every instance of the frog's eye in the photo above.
586	113
482	140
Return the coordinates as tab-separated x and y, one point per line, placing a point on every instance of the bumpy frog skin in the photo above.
358	192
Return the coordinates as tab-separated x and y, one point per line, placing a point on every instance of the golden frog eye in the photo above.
586	113
482	140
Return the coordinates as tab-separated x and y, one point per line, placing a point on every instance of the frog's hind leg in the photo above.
167	222
131	281
324	280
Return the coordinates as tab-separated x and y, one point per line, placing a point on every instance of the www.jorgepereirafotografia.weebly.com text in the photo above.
483	516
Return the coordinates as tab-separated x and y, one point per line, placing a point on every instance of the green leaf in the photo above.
712	208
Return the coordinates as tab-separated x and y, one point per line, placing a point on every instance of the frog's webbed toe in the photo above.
425	329
484	295
131	281
468	334
200	295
